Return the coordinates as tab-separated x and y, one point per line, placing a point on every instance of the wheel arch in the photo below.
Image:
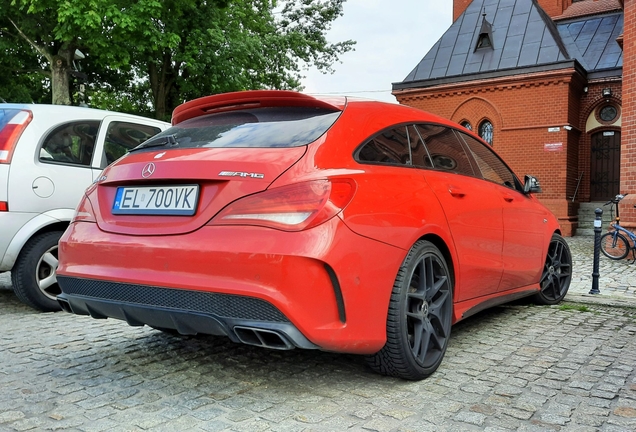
446	252
57	220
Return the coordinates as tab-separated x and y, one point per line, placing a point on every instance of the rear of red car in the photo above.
196	231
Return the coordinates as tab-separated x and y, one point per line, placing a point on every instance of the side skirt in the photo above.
471	307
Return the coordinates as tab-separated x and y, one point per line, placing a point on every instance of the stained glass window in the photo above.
486	131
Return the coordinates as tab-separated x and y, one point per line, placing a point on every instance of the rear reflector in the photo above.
11	132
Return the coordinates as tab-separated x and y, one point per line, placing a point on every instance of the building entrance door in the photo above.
605	166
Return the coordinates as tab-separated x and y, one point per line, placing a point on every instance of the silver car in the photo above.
49	154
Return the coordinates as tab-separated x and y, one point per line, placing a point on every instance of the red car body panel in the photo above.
495	239
288	271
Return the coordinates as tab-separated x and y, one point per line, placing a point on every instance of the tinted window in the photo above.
445	150
123	136
419	154
491	167
259	127
71	143
390	146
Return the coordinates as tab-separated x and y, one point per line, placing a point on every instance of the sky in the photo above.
392	37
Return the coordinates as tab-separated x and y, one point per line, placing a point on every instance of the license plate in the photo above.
157	200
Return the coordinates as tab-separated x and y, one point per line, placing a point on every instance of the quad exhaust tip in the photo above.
263	338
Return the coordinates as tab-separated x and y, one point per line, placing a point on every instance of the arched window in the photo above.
467	125
486	131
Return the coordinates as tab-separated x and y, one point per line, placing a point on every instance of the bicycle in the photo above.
614	244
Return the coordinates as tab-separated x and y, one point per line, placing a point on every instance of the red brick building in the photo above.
542	81
628	146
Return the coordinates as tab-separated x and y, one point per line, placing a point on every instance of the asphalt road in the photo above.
518	367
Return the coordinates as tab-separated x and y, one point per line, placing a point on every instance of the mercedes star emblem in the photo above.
148	170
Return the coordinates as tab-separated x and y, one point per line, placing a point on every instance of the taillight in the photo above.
4	206
290	208
11	132
84	211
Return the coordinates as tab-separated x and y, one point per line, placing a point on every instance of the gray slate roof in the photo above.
592	41
524	39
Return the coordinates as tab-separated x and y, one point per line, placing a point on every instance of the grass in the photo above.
580	308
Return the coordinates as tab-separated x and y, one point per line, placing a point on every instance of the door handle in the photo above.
508	198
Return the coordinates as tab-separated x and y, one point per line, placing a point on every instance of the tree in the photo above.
250	44
21	79
56	30
176	49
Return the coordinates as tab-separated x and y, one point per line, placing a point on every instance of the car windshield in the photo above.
259	127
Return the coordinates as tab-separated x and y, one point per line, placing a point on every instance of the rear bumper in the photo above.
328	287
242	319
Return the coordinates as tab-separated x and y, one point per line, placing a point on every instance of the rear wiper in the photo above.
156	142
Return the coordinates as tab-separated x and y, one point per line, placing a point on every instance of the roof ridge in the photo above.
550	24
582	9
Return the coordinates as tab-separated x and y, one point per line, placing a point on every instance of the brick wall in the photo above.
522	109
628	143
552	7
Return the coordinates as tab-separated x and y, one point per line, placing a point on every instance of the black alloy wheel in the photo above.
420	316
557	273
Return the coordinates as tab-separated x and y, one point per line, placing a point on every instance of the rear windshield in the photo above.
258	127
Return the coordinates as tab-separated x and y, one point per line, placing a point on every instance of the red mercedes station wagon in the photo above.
288	221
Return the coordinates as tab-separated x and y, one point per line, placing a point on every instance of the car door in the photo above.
523	220
61	172
118	134
472	207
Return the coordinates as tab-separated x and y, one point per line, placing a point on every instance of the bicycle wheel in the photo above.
614	245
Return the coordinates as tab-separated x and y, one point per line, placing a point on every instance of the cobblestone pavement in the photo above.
617	279
517	367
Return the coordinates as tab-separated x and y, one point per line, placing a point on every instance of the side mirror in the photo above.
531	185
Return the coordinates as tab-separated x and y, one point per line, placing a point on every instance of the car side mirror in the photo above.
531	185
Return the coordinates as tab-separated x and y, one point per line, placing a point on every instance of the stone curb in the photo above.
615	301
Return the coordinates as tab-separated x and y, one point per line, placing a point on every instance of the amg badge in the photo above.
241	174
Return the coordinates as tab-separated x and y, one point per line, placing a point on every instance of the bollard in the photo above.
598	222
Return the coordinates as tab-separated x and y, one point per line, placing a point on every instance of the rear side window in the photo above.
390	146
258	127
71	143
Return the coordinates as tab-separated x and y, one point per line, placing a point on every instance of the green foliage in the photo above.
165	52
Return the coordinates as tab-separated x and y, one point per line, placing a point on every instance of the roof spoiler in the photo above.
252	99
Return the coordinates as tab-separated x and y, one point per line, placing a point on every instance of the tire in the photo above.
557	273
33	274
420	316
614	245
